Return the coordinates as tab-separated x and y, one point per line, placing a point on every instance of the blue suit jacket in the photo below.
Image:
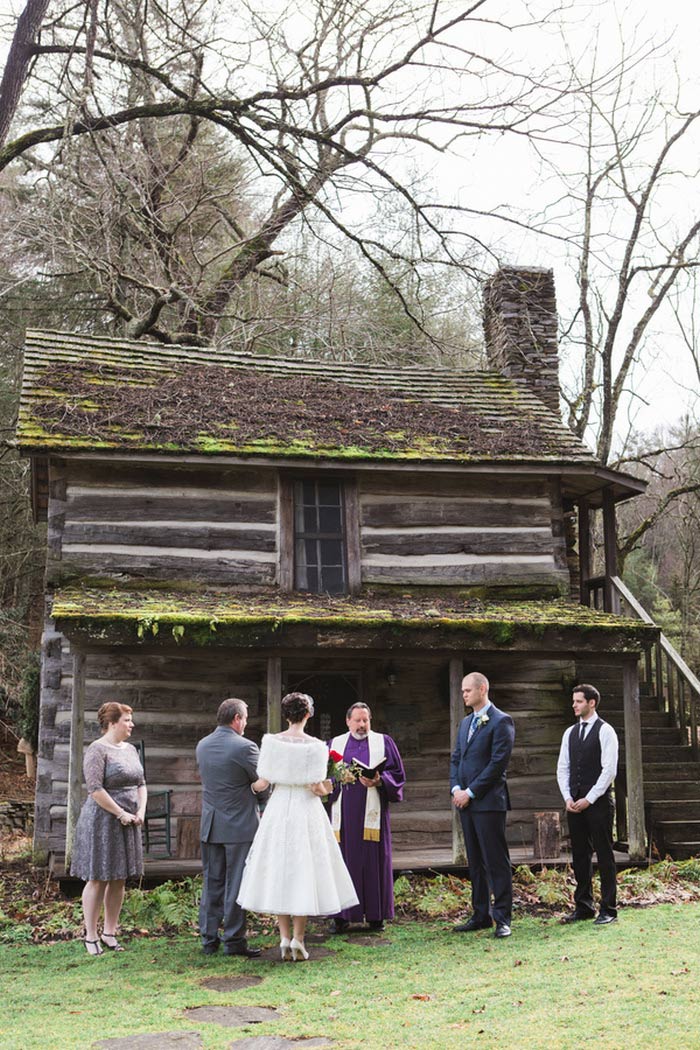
481	764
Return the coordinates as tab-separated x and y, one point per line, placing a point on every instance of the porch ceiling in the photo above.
122	615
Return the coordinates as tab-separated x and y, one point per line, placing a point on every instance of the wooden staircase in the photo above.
670	716
671	779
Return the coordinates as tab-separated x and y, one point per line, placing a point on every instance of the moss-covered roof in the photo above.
84	393
208	616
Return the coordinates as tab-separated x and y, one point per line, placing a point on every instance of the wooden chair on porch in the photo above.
157	824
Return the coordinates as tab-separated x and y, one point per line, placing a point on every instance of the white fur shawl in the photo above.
284	762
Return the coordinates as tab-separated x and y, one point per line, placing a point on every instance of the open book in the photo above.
361	770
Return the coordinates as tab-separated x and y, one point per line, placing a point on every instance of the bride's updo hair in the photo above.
296	706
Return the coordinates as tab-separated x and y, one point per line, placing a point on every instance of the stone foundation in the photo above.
16	816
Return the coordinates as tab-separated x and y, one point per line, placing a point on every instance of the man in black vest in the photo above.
585	772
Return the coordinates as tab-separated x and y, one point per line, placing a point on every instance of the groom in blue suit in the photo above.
480	794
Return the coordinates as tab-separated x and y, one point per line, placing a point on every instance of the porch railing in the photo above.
664	670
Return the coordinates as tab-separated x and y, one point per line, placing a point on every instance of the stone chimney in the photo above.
520	325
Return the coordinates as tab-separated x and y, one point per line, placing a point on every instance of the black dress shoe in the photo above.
376	924
340	926
578	916
210	949
472	924
604	919
502	930
249	953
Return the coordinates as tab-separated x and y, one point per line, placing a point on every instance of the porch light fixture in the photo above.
391	675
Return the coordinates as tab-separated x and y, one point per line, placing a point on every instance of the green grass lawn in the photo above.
630	985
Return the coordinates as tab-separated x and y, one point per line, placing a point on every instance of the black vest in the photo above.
585	765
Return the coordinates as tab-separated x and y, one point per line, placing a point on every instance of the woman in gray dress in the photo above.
107	847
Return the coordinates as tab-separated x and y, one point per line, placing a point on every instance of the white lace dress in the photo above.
295	866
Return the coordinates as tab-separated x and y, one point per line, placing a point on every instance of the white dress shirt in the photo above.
608	759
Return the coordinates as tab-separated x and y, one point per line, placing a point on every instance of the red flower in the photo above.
335	757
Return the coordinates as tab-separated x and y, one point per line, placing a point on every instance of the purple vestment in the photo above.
369	863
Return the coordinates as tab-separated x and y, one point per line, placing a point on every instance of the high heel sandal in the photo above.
90	945
116	947
298	950
285	950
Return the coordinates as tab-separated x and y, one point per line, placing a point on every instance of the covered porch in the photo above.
174	654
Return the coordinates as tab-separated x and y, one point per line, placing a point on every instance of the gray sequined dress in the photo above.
103	848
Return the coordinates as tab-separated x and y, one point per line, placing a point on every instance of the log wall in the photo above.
174	696
207	524
470	531
220	525
536	692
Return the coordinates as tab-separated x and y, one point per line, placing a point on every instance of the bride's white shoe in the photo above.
285	949
298	950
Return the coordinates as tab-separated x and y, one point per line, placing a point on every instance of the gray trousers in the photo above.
222	865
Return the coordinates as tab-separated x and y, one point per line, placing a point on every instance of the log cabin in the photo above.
223	523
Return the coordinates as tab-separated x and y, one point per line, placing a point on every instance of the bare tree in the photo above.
635	225
320	105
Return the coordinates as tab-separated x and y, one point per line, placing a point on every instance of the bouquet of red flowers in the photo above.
336	766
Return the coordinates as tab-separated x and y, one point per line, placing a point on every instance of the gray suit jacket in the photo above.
227	765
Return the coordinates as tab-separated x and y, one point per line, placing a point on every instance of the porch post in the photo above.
584	550
274	693
633	760
75	754
612	603
459	855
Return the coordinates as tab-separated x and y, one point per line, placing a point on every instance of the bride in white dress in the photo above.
295	868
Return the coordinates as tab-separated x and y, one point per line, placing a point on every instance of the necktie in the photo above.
582	732
473	726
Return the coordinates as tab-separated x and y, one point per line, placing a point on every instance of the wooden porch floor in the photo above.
418	861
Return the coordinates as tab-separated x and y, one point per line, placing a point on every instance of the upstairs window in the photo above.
320	547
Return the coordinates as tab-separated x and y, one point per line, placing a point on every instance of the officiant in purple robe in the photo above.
360	818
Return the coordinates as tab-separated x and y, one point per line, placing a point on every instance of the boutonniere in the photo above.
481	719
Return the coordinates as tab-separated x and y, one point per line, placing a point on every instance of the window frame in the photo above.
287	529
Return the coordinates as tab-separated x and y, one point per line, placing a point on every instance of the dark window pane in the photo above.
310	519
333	581
331	552
312	582
319	563
311	552
330	520
329	494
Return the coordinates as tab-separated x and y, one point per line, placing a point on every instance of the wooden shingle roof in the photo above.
82	393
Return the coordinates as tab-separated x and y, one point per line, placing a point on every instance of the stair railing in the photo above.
664	669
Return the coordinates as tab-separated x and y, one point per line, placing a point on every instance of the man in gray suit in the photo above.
228	768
